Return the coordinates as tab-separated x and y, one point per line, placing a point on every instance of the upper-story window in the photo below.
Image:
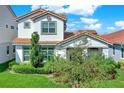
12	27
49	27
27	25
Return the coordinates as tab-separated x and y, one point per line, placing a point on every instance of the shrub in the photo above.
78	53
57	65
62	78
11	63
97	67
121	64
36	56
28	69
106	66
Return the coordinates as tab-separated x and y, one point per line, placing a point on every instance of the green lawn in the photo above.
10	80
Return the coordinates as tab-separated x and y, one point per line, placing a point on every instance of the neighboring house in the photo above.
116	51
54	39
8	31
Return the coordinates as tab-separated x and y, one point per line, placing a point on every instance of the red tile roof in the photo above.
36	13
116	37
46	11
28	41
92	33
67	36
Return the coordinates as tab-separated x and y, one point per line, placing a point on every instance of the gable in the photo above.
38	13
90	42
45	18
60	16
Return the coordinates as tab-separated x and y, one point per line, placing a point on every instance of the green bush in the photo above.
106	66
11	63
121	64
62	78
97	67
57	65
28	69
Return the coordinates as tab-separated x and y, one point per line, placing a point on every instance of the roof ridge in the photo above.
40	10
30	12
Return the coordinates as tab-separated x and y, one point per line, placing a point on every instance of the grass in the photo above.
11	80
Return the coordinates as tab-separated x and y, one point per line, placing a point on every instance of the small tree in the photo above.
78	53
36	55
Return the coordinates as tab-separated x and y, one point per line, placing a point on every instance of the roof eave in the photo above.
73	37
48	13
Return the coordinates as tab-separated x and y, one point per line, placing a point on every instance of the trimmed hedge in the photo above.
28	69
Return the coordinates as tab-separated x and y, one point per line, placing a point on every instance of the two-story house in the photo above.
8	31
54	39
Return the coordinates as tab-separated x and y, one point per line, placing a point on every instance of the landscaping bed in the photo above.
54	74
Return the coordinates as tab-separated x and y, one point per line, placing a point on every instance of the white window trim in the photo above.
48	33
47	50
23	54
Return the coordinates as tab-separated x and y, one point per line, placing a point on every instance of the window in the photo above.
26	53
49	27
122	52
13	49
6	26
7	50
113	50
47	52
27	25
12	27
